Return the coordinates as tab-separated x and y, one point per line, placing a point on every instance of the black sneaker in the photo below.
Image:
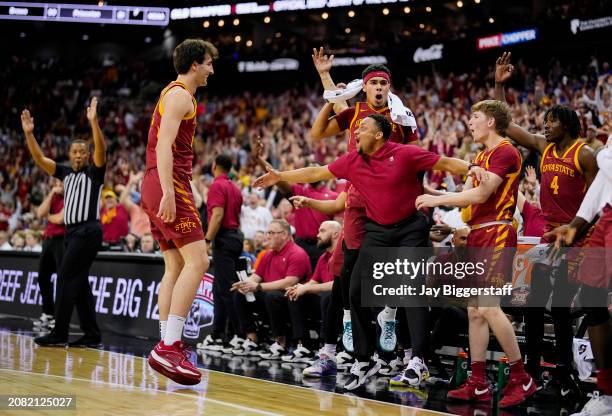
51	340
569	388
360	372
86	341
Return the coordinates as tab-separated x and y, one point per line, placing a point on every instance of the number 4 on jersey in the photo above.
554	185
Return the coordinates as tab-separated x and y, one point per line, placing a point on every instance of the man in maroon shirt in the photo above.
285	265
386	174
534	222
114	218
223	206
312	299
52	208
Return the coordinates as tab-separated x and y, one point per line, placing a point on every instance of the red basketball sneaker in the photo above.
517	391
172	362
472	391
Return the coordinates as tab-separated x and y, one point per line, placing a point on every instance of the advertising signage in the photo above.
506	39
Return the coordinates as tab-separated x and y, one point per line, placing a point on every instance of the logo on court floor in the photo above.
201	312
185	225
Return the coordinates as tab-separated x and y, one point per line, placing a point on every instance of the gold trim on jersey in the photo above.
566	152
576	154
578	144
382	110
173	84
544	153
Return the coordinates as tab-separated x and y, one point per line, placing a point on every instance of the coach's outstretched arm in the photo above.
283	187
326	206
43	162
503	72
99	156
304	175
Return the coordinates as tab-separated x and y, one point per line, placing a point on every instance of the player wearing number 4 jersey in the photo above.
568	167
168	201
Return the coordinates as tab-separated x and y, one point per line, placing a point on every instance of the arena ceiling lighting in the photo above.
271	7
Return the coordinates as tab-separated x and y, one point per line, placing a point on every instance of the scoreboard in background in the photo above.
85	13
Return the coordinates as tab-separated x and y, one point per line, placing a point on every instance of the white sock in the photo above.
329	350
162	329
174	329
388	314
408	353
347	316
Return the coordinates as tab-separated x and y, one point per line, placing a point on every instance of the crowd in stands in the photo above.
232	124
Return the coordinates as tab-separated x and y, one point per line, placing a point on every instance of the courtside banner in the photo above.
124	287
417	277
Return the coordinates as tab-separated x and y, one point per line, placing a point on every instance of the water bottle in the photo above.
461	366
503	373
250	297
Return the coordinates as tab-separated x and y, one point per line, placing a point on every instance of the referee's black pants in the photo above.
49	263
226	252
411	232
311	248
82	243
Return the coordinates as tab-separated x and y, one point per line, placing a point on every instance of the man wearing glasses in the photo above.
285	265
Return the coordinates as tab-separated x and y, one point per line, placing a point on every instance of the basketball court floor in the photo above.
116	380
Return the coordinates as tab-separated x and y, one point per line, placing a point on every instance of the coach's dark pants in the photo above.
270	306
49	263
310	306
82	243
226	253
310	247
411	232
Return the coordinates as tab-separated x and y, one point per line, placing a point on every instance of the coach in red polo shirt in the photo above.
386	174
285	265
223	206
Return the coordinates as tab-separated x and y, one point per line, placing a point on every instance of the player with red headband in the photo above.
377	86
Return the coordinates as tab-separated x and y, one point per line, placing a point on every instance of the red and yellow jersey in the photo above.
351	118
504	160
182	148
562	185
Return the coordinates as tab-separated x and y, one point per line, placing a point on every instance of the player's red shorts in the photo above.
353	231
354	227
187	226
337	259
596	267
495	245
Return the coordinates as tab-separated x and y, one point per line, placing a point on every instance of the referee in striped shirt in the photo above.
82	187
